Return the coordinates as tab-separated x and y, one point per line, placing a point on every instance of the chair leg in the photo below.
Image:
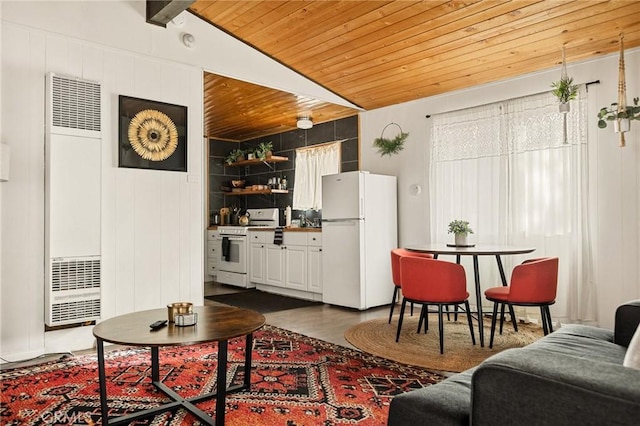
501	316
404	305
448	316
411	308
393	302
455	316
422	317
549	322
466	306
514	321
441	329
493	323
543	314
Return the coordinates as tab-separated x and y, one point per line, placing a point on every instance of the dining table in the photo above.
475	251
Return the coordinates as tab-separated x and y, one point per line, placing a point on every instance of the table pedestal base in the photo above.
178	401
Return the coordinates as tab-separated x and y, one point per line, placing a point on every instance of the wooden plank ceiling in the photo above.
380	53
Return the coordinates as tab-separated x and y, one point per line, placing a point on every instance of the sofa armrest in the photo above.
534	387
627	320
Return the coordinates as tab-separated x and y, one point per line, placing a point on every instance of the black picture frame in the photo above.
128	107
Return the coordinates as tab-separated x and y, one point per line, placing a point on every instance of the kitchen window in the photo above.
311	164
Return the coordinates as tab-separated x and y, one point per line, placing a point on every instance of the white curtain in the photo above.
311	164
517	171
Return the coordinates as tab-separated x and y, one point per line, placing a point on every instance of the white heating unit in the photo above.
72	200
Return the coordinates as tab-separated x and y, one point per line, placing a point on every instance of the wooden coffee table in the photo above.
215	324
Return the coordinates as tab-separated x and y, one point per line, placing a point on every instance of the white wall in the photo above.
614	171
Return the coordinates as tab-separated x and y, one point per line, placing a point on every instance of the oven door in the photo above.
233	256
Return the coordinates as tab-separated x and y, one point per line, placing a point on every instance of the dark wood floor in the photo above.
324	322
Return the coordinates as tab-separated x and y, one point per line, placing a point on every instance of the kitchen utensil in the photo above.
238	183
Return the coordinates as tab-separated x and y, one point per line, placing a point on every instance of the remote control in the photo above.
158	324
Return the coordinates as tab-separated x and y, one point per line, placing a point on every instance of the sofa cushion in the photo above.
446	403
582	341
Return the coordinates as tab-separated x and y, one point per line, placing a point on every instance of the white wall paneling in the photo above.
152	221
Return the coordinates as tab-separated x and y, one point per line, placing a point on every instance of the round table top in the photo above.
476	250
215	323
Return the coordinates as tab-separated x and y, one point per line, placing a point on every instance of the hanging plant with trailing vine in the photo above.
388	146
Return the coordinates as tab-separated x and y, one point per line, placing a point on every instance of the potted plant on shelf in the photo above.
235	155
263	151
565	91
461	229
621	119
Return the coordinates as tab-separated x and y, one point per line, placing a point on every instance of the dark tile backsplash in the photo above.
284	144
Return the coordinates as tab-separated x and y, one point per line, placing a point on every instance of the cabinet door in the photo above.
295	261
314	283
273	265
256	263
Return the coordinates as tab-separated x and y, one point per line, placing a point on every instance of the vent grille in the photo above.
75	274
75	103
82	310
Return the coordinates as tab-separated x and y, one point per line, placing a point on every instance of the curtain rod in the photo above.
319	145
532	94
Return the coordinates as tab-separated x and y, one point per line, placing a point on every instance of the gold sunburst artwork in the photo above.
153	135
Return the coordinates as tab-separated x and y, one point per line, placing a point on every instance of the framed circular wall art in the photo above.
152	135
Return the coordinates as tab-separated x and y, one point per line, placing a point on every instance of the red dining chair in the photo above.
533	283
396	254
433	282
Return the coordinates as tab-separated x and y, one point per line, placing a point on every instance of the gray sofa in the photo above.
573	376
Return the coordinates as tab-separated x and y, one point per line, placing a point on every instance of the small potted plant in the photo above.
235	155
565	91
263	151
461	229
621	119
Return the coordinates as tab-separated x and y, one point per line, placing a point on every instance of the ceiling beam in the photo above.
160	12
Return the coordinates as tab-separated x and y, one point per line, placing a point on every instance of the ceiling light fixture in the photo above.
304	122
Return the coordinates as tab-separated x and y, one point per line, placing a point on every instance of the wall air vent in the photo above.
75	103
73	185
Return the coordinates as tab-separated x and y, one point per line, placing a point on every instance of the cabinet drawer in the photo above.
294	238
212	250
212	268
258	236
314	239
212	235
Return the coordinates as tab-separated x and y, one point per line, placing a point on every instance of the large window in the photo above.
517	171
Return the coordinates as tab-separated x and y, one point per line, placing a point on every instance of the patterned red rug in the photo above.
296	380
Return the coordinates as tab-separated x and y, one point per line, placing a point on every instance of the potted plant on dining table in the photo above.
461	229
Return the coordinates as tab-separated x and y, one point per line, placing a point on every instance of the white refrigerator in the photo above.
359	230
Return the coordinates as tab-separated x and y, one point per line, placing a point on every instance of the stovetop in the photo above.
239	230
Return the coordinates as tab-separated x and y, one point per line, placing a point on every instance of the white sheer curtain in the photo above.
517	171
311	164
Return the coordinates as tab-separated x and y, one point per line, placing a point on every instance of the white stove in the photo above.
235	249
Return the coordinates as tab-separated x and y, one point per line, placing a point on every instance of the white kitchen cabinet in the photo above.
214	249
314	264
295	267
274	265
257	256
292	268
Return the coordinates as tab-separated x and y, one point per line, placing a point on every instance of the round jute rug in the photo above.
377	337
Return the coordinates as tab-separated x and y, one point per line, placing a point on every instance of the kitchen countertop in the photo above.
284	229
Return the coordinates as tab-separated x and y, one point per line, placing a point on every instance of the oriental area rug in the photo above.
378	337
296	380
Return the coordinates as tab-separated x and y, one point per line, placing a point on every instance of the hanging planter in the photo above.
390	146
619	112
564	89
